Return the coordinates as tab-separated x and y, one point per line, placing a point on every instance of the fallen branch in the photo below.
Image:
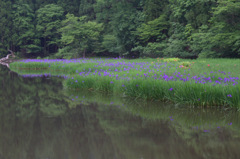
4	60
12	53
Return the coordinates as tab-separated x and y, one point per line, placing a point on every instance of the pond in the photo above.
40	119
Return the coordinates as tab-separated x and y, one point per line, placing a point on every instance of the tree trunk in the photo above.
84	53
44	47
56	49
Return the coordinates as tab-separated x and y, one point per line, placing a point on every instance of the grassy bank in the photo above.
204	82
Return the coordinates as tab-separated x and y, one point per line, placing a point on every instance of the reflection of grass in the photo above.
192	119
149	126
92	97
198	82
197	119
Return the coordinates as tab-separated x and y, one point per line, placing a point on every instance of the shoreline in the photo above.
7	60
199	83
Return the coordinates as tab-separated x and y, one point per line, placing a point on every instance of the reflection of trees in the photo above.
22	101
85	136
25	95
35	138
143	138
156	136
102	132
36	122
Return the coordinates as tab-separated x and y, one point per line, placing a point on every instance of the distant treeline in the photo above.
129	28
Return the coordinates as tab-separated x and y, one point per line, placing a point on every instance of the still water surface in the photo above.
39	119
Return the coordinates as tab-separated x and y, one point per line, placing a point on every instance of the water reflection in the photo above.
40	120
47	75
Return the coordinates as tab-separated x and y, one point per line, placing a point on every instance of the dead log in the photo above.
12	53
4	60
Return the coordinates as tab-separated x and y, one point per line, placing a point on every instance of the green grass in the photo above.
132	85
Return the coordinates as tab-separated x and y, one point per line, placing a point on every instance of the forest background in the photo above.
125	28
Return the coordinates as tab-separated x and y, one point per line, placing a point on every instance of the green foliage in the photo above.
201	45
78	35
24	30
155	30
154	9
120	19
227	13
48	19
5	25
151	50
178	44
222	38
179	8
189	28
71	6
226	25
124	22
110	43
176	48
48	22
86	9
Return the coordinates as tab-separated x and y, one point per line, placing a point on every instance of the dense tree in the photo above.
124	22
70	6
86	8
222	38
48	22
189	28
5	25
78	35
226	26
24	29
155	30
154	9
109	44
152	36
